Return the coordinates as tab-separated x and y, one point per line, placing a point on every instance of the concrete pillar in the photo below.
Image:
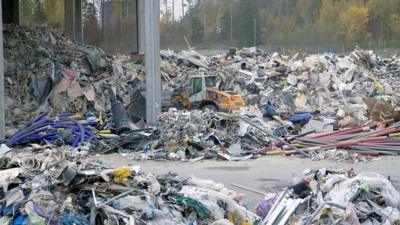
152	60
141	23
2	110
69	18
78	21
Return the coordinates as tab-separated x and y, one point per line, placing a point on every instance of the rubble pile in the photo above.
348	101
47	72
289	98
333	85
332	196
338	87
49	186
197	135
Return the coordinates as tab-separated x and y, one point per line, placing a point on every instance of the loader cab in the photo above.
198	86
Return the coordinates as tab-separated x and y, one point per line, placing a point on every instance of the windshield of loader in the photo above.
211	82
195	86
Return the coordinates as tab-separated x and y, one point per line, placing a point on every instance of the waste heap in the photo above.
326	105
197	135
350	89
60	76
49	186
332	196
289	97
47	72
336	91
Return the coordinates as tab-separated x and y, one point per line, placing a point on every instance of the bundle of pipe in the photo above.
366	140
48	130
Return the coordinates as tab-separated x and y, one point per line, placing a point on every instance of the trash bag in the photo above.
300	117
268	110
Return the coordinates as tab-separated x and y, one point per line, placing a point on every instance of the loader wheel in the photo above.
209	107
179	105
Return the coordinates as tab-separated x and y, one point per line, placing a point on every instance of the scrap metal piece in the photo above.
275	137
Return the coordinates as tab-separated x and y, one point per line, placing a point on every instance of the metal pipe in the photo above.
273	136
329	133
116	197
373	150
295	137
248	189
396	125
366	152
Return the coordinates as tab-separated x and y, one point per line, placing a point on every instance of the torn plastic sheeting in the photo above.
193	57
189	202
265	206
211	202
120	116
133	202
9	175
346	191
357	199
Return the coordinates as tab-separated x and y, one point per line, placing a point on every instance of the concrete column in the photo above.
141	23
78	21
152	60
69	18
2	110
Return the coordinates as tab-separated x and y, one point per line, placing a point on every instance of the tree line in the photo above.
223	23
111	25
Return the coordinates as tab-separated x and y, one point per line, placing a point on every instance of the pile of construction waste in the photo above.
197	135
45	71
302	104
182	135
52	186
333	196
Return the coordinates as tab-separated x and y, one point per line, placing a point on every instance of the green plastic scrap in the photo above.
93	57
33	218
364	189
201	210
227	116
